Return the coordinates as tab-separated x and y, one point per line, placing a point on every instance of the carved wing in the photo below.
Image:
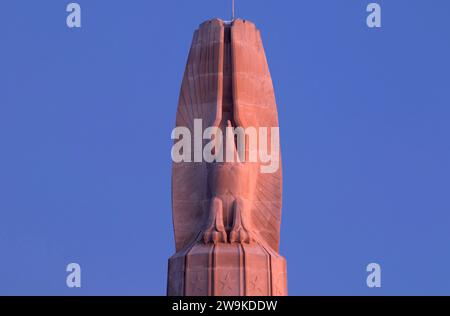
200	98
255	105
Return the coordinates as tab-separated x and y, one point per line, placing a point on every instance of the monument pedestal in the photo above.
226	269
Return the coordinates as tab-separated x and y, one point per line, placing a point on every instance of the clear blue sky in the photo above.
86	117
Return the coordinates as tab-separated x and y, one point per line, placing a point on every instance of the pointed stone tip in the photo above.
244	22
237	21
212	21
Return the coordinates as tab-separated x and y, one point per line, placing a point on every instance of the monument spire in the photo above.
232	11
227	214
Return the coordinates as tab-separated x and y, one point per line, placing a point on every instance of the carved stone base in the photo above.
226	269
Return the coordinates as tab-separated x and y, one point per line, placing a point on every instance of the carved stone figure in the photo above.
227	215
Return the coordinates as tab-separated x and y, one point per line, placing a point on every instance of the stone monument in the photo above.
226	215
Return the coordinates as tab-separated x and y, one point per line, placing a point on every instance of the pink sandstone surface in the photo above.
226	215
